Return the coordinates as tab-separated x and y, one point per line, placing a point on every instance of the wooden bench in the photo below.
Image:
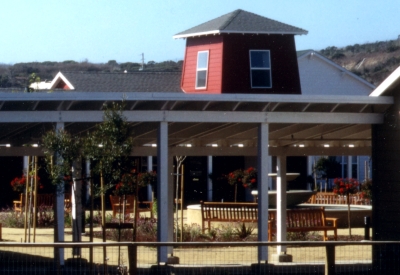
297	220
332	198
42	200
304	220
143	206
227	212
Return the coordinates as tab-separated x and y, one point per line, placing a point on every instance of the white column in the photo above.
262	167
76	201
25	165
170	194
149	168
60	196
281	203
163	205
349	167
209	181
270	181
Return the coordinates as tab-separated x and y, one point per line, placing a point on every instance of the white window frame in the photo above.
260	68
202	69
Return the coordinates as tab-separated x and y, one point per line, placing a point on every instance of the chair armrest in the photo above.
333	220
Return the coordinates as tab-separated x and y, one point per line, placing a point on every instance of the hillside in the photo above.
371	61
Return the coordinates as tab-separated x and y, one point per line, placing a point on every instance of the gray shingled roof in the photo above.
125	82
240	21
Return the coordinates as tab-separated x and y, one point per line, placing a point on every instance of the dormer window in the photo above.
201	70
260	69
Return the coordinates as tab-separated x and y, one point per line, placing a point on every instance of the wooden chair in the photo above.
42	200
117	205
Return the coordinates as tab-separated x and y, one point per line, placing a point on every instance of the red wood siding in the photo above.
213	44
236	64
62	85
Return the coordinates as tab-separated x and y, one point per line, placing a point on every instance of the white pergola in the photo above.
266	125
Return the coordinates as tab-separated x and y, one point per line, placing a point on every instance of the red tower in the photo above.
241	52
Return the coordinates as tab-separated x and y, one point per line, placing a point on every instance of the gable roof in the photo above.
389	85
240	21
320	75
120	82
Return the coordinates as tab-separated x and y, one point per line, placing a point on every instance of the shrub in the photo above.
9	218
45	216
243	231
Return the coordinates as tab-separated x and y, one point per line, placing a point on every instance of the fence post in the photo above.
330	259
132	258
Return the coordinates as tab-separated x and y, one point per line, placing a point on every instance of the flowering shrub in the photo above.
250	178
235	177
128	182
366	189
345	186
18	184
146	178
247	177
125	186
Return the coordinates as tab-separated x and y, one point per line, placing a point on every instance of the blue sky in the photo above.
121	30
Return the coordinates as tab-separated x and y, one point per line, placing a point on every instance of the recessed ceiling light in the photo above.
326	145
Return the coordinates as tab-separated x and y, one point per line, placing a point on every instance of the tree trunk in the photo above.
348	213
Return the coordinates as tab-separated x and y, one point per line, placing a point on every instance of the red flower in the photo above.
253	180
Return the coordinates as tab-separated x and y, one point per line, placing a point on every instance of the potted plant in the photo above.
247	178
346	187
366	191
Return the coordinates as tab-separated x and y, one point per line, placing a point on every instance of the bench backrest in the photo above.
308	217
42	199
228	211
332	198
129	203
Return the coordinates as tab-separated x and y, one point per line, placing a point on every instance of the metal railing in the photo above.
199	258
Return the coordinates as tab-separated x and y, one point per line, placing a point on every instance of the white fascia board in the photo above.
389	81
57	79
232	32
313	54
160	96
193	117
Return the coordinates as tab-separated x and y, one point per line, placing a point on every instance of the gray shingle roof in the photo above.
240	21
125	82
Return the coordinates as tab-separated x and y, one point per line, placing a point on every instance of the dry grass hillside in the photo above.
372	61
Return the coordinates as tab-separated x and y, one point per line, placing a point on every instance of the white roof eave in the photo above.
387	83
161	96
214	32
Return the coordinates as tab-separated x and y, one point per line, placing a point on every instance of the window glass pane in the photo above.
259	59
201	79
202	60
260	78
